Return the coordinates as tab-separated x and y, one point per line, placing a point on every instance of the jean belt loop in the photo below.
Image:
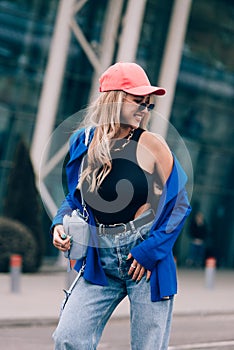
133	228
101	228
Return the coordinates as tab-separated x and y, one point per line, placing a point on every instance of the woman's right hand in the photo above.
58	241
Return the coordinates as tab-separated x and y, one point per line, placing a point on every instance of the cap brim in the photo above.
146	90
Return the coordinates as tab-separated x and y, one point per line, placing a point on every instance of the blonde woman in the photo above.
134	189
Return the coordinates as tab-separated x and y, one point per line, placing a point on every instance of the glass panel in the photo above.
153	36
203	115
25	34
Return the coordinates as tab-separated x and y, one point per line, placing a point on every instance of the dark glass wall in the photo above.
79	71
203	115
25	34
153	36
26	29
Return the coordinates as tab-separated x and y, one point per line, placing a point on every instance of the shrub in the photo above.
22	201
16	238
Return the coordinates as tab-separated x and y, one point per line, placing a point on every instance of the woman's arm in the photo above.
172	211
66	207
154	155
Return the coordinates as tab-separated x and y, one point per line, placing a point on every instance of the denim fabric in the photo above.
90	306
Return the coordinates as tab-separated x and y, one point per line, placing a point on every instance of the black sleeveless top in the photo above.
125	189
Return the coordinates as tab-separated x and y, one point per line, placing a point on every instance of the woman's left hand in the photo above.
137	270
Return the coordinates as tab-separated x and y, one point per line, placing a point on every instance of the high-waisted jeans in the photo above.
90	306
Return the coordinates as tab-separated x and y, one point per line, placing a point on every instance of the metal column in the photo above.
171	63
132	24
108	42
52	82
65	25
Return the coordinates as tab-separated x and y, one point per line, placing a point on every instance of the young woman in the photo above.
134	189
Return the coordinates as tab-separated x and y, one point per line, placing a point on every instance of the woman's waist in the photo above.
122	228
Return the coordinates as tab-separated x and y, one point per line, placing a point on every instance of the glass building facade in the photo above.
203	114
202	110
26	28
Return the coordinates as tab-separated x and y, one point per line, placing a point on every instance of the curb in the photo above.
43	322
31	322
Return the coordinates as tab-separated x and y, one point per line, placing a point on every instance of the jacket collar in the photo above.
77	143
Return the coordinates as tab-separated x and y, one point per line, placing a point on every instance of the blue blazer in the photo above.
155	253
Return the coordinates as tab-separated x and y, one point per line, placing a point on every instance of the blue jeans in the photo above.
90	306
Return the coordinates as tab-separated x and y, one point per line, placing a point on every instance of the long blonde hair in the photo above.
104	114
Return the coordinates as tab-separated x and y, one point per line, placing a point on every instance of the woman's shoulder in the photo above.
82	136
77	134
154	141
158	147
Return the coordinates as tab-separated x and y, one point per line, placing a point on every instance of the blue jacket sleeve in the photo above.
164	232
69	204
171	213
66	207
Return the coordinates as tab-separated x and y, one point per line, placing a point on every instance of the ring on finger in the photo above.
134	267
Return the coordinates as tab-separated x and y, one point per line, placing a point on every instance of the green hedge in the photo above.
22	200
16	238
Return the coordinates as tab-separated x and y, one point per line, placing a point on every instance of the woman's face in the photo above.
133	111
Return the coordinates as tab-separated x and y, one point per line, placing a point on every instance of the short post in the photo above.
210	270
15	271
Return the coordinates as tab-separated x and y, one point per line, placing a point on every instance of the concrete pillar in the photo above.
108	42
53	80
132	24
171	63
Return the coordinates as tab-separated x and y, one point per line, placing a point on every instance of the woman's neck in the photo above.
123	131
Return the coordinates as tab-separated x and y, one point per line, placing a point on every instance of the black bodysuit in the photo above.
125	189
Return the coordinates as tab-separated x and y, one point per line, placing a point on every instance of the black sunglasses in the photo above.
142	106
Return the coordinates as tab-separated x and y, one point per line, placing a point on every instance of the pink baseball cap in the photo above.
128	77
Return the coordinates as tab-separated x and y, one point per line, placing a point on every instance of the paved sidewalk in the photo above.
41	294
